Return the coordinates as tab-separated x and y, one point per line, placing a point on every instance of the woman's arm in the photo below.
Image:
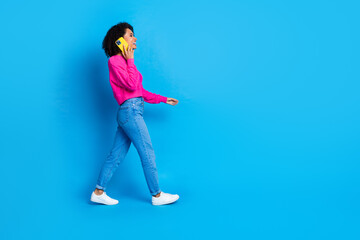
153	97
126	76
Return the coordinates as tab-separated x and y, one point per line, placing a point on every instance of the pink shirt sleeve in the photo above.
127	76
153	97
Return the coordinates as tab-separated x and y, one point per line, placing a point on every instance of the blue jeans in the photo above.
131	128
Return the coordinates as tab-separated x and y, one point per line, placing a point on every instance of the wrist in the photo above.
130	61
163	99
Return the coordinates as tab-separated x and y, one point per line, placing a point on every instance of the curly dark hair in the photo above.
112	35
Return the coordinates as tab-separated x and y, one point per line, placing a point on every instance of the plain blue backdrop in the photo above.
264	143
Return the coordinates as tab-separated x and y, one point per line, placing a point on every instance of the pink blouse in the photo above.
126	81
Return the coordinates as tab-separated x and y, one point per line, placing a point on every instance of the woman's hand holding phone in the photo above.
128	52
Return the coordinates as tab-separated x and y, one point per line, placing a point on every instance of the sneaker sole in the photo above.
158	204
103	202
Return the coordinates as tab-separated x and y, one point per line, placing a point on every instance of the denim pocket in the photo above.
123	115
138	108
137	105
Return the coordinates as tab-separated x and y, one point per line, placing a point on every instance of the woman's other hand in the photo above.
172	101
128	53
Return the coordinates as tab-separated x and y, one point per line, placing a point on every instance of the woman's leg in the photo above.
136	129
115	157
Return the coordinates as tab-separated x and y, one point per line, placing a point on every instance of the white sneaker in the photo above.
103	199
164	198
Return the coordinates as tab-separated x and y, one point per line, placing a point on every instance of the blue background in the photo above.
264	143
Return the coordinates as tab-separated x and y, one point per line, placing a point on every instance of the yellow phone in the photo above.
121	43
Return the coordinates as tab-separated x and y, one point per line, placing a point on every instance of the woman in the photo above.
126	83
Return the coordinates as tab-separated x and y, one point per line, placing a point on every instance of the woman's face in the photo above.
129	38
